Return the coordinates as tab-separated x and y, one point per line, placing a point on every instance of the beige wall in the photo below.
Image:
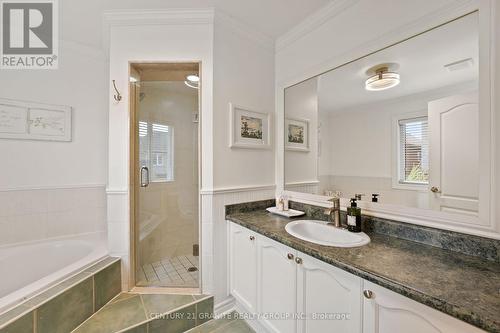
243	75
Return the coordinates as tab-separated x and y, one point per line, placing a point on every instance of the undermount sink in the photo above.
319	232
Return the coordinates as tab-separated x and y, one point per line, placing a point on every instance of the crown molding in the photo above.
313	21
178	16
448	12
244	30
158	16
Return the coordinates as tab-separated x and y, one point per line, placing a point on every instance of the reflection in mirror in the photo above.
399	126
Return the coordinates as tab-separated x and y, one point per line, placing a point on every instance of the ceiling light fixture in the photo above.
193	78
382	80
192	81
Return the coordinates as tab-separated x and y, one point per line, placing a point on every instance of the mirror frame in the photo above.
486	224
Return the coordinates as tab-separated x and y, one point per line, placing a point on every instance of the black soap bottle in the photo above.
354	217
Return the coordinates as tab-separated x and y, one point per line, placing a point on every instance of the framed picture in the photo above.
34	121
248	128
297	134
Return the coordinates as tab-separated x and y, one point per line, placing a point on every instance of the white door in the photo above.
243	266
277	287
388	312
329	298
454	154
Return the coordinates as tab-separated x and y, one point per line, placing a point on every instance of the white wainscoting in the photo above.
34	214
119	230
214	235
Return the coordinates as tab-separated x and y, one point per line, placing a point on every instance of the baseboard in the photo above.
253	322
225	306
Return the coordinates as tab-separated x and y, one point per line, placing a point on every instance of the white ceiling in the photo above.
81	19
421	60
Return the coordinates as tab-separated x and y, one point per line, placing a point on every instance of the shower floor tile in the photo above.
170	272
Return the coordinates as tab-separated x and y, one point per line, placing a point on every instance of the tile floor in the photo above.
170	272
151	313
230	323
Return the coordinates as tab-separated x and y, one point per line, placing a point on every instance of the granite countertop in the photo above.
463	286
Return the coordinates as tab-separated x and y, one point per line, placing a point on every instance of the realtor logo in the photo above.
29	34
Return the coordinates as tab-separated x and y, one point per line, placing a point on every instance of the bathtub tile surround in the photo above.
68	256
131	312
66	305
23	324
66	311
107	284
455	283
28	215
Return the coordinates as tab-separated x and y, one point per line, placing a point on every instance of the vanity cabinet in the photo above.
385	311
277	285
295	292
243	262
330	298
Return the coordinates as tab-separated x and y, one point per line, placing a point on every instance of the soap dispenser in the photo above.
354	217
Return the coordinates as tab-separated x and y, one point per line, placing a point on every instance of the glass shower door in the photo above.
166	240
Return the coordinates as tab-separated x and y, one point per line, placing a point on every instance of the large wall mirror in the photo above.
400	128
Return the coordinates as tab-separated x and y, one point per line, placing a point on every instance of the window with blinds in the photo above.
156	150
414	151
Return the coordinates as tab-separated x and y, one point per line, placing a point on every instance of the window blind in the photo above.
414	150
156	150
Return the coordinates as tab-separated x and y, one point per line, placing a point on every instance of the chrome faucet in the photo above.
334	212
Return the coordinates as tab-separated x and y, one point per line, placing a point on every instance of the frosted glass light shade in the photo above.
382	80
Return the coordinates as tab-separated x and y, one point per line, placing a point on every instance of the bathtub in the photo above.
29	269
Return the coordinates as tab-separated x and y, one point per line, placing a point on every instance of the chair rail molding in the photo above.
237	189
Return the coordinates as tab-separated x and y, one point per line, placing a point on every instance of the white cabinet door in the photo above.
454	153
243	266
329	297
277	287
389	312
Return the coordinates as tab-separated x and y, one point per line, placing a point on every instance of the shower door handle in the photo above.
144	180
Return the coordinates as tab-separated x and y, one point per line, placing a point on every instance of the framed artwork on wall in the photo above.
297	134
34	121
248	128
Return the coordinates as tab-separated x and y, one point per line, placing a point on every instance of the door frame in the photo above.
134	179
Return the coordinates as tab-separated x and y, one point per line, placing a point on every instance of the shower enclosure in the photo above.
165	164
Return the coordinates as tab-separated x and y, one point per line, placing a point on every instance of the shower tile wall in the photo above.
37	214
